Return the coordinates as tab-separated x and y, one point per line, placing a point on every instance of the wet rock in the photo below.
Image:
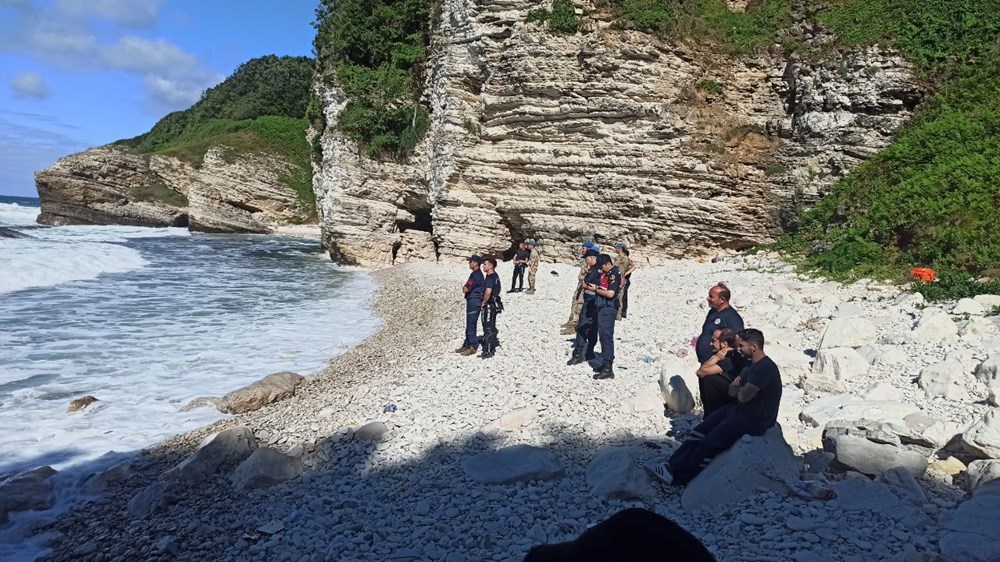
80	403
270	389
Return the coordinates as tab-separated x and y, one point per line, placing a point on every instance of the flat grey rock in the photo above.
518	463
614	474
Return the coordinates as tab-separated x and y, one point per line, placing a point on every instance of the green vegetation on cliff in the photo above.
932	198
374	51
260	108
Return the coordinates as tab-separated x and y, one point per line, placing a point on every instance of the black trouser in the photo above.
607	310
490	332
472	309
714	390
628	283
586	328
517	280
716	434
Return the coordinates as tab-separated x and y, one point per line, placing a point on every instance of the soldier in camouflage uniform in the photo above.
626	266
533	260
574	315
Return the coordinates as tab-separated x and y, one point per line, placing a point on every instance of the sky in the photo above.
81	73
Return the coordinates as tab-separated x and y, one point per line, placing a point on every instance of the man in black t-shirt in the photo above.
720	315
720	369
491	307
757	391
473	291
521	256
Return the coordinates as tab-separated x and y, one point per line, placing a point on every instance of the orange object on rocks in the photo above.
924	274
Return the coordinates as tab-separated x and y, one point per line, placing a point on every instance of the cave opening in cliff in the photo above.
180	221
515	225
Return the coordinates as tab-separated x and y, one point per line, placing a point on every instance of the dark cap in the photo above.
590	253
475	258
620	245
603	259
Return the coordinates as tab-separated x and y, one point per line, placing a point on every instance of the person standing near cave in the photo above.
574	314
533	258
623	261
521	256
491	307
473	290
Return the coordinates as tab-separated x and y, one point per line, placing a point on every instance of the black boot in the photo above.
576	359
607	371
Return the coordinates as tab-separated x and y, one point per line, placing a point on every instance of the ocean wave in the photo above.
108	233
31	263
12	214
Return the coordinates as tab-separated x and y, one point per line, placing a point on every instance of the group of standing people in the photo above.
482	297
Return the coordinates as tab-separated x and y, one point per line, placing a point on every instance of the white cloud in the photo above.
65	35
30	85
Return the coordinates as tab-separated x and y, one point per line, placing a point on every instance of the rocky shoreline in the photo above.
419	483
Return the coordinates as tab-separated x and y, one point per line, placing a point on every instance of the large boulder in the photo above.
848	407
272	388
945	379
153	498
518	463
28	490
101	481
840	363
872	448
982	438
979	328
751	465
968	306
848	331
264	468
613	473
934	327
988	374
987	301
980	472
217	452
676	395
970	535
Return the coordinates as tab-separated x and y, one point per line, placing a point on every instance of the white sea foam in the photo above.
12	214
28	263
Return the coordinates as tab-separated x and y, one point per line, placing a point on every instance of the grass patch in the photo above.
562	18
159	193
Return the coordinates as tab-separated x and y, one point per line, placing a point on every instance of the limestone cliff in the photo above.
605	134
113	185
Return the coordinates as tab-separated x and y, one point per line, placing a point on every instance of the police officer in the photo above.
533	258
491	307
521	256
473	291
586	326
606	305
623	261
574	314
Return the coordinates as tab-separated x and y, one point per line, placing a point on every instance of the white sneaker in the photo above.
660	471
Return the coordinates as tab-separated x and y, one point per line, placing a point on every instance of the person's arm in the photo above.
487	294
734	387
711	365
747	393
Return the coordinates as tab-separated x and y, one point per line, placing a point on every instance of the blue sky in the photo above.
82	73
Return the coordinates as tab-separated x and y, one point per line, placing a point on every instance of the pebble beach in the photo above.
416	489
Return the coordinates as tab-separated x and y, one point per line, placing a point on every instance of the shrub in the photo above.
374	50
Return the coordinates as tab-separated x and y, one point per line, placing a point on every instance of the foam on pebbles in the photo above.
405	494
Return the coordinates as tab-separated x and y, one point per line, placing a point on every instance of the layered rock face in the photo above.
604	135
111	185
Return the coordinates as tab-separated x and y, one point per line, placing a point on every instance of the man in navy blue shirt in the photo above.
473	291
608	286
586	324
491	307
720	315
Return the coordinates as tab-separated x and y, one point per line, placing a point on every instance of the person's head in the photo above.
489	265
604	262
620	248
750	342
723	338
590	256
586	247
475	261
718	296
522	245
532	244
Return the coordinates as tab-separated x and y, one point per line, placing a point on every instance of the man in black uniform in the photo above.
586	324
491	307
720	369
607	287
521	256
720	315
473	291
757	394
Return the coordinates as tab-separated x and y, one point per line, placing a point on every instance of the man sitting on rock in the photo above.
757	391
718	371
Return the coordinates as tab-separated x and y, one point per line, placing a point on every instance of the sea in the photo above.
145	320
